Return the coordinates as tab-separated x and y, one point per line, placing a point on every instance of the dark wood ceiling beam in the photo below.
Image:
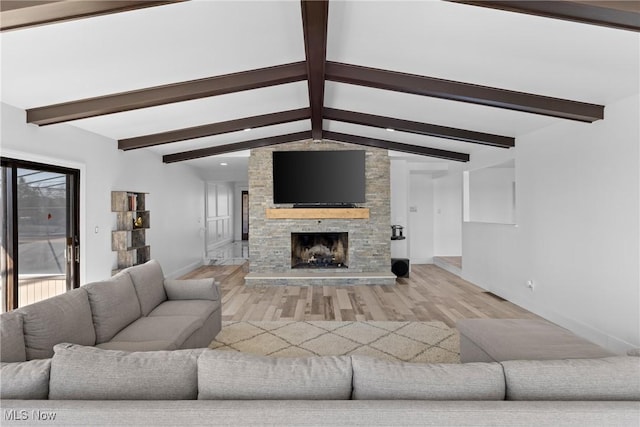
214	129
396	146
230	148
167	94
419	128
23	14
623	15
315	16
464	92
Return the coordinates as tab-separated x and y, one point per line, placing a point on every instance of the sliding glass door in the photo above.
40	232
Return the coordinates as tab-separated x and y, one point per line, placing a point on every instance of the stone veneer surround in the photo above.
369	239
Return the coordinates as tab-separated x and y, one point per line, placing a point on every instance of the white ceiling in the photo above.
199	38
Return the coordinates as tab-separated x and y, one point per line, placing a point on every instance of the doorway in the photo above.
245	215
40	231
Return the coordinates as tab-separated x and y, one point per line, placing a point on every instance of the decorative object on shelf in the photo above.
129	237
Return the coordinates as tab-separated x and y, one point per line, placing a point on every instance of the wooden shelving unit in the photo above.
317	213
132	221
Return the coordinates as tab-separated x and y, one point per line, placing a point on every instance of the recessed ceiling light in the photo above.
390	130
223	164
247	129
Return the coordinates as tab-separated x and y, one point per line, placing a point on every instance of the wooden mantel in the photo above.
317	213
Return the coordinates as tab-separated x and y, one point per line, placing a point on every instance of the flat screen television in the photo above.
319	177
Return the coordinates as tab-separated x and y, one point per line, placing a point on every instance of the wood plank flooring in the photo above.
456	261
430	293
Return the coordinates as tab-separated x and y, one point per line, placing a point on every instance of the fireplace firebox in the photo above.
320	250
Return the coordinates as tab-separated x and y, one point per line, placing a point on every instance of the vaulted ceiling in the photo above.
196	80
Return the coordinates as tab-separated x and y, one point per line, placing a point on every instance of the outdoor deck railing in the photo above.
36	287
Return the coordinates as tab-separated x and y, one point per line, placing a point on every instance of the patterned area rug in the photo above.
426	342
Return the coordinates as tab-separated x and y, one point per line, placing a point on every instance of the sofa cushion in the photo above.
192	289
25	380
138	345
89	373
198	308
375	379
230	375
12	338
114	305
171	329
63	318
611	378
148	280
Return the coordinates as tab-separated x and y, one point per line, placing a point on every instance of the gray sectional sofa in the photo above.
125	352
83	385
135	310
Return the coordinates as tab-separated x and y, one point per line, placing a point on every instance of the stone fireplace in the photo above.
355	249
319	250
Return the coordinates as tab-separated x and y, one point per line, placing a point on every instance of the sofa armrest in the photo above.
206	289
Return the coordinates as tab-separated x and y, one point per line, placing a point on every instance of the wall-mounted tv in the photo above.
319	177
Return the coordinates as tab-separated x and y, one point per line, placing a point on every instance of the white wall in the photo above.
421	220
491	195
399	181
578	233
175	192
447	227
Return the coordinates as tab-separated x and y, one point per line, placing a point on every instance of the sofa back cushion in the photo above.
376	379
610	378
230	375
25	380
148	280
89	373
114	305
12	338
63	318
192	289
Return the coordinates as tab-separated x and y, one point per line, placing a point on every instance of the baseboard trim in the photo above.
447	266
610	342
184	270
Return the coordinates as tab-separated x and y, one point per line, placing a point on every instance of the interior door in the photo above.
40	233
245	215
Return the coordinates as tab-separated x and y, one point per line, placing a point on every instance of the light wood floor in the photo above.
430	293
456	261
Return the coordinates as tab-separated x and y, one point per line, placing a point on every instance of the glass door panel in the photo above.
42	235
40	239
